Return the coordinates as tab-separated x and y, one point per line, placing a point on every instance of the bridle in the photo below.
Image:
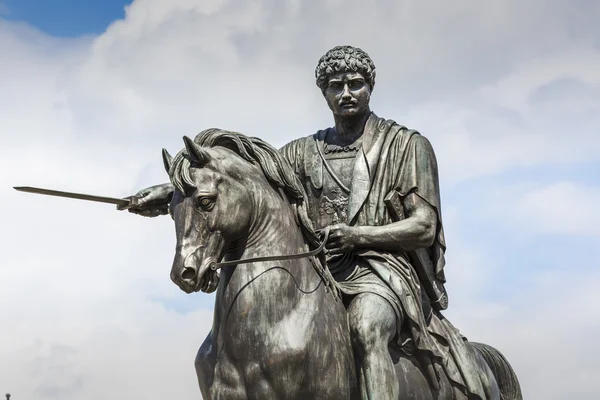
318	250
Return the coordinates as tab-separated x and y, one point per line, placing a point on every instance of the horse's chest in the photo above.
253	357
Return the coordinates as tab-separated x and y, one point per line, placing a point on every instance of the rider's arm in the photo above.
418	230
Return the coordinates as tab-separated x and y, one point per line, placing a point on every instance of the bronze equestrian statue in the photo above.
364	318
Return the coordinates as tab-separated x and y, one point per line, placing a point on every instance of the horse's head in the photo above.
211	209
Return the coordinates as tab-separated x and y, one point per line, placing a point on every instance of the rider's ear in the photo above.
197	153
167	160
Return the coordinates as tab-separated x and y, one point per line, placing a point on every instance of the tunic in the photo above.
391	158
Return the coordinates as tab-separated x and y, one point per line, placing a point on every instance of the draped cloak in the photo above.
393	157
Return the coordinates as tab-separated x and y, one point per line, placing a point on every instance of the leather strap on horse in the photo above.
312	253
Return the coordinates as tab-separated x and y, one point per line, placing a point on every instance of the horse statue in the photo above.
280	329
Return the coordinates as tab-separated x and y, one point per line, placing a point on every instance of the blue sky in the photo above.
65	18
506	93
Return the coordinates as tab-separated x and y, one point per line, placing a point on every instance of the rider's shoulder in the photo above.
399	130
301	141
406	135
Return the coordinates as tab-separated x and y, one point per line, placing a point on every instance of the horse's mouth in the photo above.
200	276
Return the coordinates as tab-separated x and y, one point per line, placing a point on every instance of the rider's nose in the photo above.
346	93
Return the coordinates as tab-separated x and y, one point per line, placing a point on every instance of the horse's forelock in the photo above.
179	173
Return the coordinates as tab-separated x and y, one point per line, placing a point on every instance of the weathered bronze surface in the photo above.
365	319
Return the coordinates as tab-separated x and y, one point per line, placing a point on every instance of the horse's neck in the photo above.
274	231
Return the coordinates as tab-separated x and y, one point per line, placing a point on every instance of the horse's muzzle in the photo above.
192	263
189	277
185	273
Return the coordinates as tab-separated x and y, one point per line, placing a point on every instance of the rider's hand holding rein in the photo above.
416	231
342	239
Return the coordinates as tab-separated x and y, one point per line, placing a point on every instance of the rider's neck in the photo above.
350	127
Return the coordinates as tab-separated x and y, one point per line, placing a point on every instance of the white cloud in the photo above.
563	208
557	209
547	333
77	280
515	90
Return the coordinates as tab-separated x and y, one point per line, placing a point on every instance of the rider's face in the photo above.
347	94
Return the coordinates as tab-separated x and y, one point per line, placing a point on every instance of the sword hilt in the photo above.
132	202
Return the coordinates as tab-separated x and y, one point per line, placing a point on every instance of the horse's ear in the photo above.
197	153
167	160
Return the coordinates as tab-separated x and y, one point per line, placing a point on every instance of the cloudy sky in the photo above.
508	93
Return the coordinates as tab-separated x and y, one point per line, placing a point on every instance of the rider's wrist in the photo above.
363	236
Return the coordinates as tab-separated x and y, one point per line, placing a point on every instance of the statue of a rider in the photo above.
374	185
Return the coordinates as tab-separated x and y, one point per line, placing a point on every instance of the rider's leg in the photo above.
373	325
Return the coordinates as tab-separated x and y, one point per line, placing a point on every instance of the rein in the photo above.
312	253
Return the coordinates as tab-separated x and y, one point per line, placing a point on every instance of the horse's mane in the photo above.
275	167
277	171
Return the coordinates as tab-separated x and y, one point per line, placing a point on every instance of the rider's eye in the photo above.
206	203
355	85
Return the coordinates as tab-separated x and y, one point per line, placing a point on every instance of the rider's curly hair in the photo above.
345	59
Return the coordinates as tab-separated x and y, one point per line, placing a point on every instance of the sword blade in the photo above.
70	195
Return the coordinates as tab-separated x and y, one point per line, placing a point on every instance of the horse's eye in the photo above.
206	203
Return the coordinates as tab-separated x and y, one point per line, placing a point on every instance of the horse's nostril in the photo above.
188	274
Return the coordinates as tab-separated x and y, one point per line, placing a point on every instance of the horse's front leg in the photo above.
205	363
218	377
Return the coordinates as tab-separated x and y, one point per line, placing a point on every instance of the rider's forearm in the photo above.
168	186
167	190
158	194
415	232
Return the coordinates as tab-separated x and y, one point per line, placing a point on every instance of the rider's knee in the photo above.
365	336
372	330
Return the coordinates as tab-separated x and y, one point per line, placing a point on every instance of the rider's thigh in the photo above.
372	320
